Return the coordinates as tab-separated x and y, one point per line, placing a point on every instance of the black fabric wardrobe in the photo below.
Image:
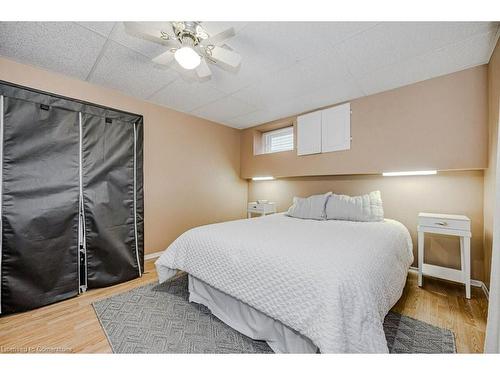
71	190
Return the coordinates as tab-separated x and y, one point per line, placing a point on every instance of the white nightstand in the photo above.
452	225
261	208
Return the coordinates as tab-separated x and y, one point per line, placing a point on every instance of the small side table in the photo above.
452	225
261	209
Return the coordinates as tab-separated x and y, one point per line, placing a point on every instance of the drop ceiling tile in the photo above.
142	46
64	47
214	27
103	28
273	88
250	70
223	109
248	120
452	58
303	78
130	72
336	32
390	42
186	96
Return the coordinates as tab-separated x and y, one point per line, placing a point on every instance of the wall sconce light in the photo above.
409	173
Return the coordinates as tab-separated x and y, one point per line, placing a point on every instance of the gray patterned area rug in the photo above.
159	319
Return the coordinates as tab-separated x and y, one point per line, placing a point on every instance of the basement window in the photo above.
277	140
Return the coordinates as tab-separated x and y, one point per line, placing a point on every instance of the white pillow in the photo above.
312	207
366	207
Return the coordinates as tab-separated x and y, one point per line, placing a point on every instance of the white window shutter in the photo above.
309	133
336	128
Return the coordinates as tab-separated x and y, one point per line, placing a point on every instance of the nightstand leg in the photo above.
420	256
466	246
462	258
249	215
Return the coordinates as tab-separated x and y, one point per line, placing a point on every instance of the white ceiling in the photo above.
287	67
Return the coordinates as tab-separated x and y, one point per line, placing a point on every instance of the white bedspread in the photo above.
332	281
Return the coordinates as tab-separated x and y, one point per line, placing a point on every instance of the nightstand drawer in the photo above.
262	209
254	206
266	207
444	223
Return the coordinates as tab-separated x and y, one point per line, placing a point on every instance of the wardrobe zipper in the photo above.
135	201
1	194
82	245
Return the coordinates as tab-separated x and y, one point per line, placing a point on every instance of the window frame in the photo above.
266	136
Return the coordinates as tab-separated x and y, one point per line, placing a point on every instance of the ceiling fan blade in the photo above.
203	71
144	31
165	58
225	57
220	37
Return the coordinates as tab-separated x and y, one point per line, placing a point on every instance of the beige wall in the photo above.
403	197
191	165
440	124
490	173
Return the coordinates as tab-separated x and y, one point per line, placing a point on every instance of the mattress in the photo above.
331	281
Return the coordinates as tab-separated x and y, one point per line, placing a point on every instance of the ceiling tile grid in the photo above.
128	71
185	96
269	47
461	55
305	77
224	109
391	42
144	47
287	67
243	121
103	28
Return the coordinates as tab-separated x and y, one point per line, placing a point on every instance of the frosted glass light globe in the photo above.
187	58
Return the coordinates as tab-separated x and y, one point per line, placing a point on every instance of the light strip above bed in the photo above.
409	173
263	178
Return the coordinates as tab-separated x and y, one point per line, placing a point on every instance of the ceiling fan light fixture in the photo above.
187	58
190	45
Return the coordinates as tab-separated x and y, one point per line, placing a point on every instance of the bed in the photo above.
301	285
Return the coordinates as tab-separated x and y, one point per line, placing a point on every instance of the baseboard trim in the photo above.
153	255
473	282
485	290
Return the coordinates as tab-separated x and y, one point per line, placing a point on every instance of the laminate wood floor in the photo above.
72	326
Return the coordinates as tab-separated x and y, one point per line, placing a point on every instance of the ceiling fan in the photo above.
189	44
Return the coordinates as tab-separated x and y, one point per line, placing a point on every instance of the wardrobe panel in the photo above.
140	191
108	191
39	205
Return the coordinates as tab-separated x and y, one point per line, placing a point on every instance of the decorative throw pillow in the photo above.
312	207
366	207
